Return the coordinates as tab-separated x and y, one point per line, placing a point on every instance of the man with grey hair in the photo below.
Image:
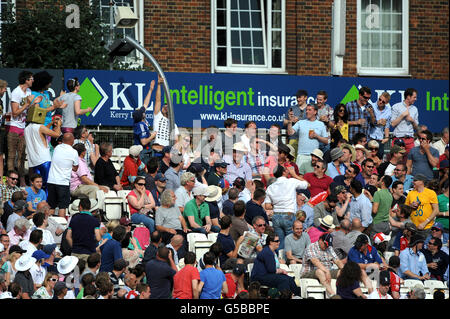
184	192
443	142
416	292
168	219
176	244
20	232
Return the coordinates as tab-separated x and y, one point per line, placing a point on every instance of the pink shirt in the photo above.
15	239
83	170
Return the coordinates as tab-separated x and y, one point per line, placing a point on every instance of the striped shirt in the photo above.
356	112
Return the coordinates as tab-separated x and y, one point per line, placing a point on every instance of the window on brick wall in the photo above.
382	37
248	35
5	5
135	58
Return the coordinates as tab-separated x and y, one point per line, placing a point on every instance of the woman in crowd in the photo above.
73	109
141	203
341	120
347	283
266	270
46	290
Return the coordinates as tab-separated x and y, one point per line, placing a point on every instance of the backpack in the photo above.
142	234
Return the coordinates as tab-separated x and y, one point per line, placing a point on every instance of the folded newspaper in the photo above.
248	245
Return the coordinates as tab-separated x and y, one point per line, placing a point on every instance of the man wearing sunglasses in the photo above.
360	113
437	260
424	158
380	131
6	190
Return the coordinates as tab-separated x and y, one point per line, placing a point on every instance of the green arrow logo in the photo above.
92	95
352	95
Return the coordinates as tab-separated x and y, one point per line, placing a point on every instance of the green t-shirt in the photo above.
443	207
199	213
384	198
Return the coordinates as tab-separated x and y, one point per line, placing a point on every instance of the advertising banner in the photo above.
265	99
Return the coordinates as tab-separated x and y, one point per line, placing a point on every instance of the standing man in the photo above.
381	206
405	119
360	112
161	124
281	197
360	206
64	161
295	114
380	130
325	112
388	167
424	158
21	100
141	131
160	272
38	150
311	133
3	87
336	167
229	136
425	205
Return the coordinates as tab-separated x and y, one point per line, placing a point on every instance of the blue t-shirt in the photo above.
371	256
213	279
110	251
347	292
34	198
420	163
140	130
160	279
83	227
306	144
45	104
252	210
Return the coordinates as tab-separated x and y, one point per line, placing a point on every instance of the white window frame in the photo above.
267	40
138	9
371	71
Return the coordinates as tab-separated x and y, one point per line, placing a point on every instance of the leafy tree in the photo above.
37	37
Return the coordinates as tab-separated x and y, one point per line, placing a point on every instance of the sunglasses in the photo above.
261	225
141	184
430	243
366	97
370	167
382	101
341	110
435	229
14	178
276	241
318	166
53	279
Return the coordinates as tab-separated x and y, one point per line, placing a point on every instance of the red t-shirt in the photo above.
318	185
395	282
272	163
130	168
231	286
182	282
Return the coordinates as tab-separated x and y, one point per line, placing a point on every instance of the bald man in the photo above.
175	244
64	161
356	229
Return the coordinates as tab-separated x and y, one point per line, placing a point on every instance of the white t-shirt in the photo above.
38	152
64	158
38	274
162	127
19	96
376	295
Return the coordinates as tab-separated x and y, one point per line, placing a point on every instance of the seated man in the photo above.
81	181
437	260
413	264
364	255
196	212
132	167
318	262
35	194
296	243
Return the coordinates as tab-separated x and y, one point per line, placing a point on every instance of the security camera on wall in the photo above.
125	17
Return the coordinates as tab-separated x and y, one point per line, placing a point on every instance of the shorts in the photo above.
58	196
312	274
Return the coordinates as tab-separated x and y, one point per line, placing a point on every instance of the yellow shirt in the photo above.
344	131
424	210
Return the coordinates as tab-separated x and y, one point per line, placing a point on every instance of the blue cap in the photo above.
39	254
438	226
160	177
48	249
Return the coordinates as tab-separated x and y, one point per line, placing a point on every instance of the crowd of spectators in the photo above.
352	193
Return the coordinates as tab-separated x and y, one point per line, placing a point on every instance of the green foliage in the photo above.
37	37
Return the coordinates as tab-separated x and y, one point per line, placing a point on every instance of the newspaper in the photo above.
248	245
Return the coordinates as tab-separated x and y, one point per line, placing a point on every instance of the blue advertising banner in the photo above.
265	99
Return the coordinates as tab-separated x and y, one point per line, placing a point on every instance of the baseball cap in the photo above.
420	177
39	254
19	205
239	269
167	149
48	249
239	182
16	249
381	237
438	226
339	189
59	287
160	177
327	239
125	221
399	142
397	149
385	278
220	163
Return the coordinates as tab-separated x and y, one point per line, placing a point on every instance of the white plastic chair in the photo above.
113	205
124	193
213	237
310	287
193	237
201	247
60	220
117	166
